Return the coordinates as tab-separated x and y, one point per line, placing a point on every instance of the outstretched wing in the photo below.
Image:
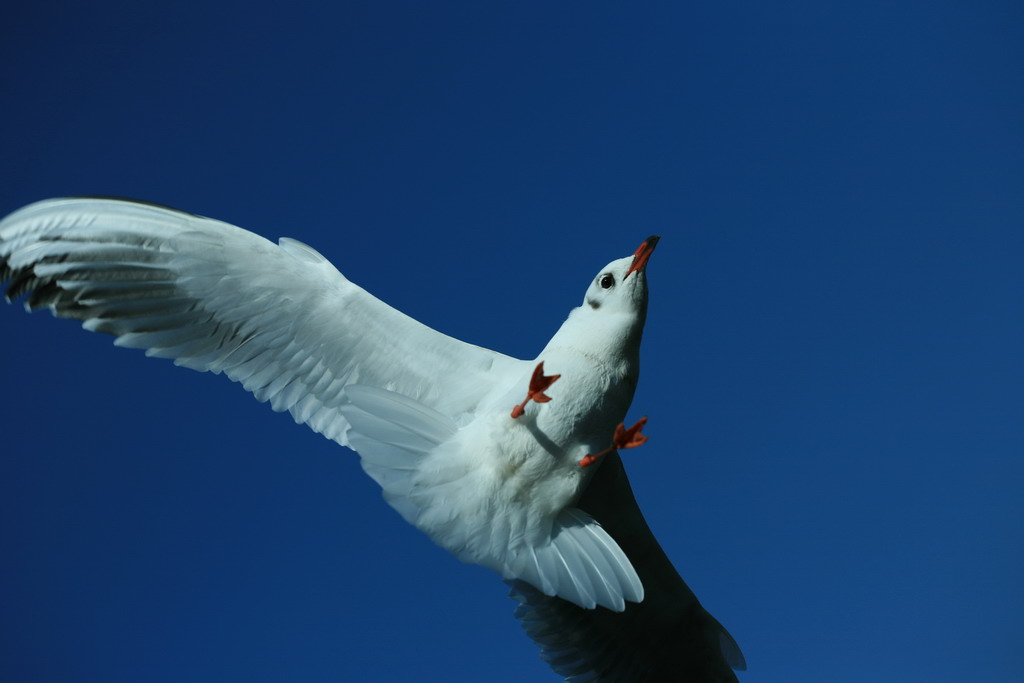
278	318
667	637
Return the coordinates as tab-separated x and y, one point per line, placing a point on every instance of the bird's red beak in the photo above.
643	253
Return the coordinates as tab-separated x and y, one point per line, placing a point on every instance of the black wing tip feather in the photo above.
45	291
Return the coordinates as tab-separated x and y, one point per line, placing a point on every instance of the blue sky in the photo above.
832	361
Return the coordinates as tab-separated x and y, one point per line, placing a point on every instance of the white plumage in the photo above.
429	415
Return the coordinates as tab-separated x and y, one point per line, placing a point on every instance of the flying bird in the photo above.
511	464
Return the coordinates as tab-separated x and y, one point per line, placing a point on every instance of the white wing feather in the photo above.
278	318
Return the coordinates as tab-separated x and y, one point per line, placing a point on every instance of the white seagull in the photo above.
506	463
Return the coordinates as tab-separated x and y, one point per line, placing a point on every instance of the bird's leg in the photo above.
623	439
538	384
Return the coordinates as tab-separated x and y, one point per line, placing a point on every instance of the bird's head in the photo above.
621	286
611	320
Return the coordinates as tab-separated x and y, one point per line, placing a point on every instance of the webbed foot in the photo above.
539	383
622	439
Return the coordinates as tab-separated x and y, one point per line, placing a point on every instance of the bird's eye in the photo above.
607	280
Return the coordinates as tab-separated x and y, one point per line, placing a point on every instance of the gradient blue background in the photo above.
832	363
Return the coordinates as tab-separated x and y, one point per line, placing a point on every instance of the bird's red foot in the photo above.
539	383
623	439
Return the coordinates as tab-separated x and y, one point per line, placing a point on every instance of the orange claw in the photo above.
539	383
623	439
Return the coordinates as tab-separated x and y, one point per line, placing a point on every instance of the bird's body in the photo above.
441	425
501	491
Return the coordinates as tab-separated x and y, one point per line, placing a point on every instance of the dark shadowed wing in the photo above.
667	637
